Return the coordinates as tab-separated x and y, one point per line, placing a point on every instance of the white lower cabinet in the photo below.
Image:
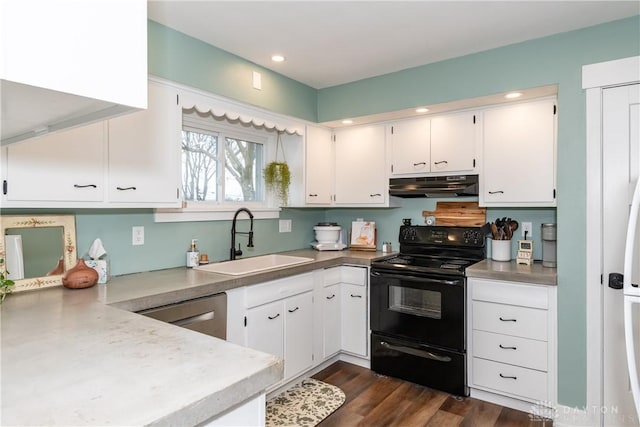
512	342
304	319
282	327
332	320
345	311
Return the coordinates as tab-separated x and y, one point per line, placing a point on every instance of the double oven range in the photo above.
418	305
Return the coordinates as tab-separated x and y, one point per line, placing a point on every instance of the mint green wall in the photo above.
551	60
180	58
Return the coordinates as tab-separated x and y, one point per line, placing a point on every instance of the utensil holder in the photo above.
501	250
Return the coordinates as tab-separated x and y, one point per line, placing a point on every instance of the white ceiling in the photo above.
328	43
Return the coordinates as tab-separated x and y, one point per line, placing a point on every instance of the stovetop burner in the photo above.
440	250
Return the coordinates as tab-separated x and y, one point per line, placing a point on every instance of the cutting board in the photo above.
466	214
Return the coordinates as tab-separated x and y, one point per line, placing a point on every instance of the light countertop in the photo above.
81	357
511	271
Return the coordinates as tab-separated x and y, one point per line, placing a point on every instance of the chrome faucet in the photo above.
238	252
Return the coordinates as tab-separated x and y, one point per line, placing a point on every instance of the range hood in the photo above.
434	186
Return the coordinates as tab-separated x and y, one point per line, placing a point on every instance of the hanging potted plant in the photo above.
5	283
277	176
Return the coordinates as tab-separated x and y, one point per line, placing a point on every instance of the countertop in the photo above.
511	271
81	357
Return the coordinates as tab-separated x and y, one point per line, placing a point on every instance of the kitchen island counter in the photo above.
75	357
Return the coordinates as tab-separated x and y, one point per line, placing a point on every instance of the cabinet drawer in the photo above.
512	350
354	275
525	383
509	293
332	276
278	289
510	320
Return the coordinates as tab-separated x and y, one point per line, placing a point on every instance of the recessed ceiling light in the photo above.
421	110
347	121
513	95
277	58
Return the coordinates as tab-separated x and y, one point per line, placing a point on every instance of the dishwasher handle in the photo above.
194	319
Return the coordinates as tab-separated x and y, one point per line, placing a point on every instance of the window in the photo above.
222	162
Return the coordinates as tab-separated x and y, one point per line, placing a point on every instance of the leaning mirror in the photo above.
37	249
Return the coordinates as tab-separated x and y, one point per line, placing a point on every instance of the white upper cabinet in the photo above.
360	177
144	152
70	62
453	143
434	145
410	142
65	167
131	161
519	155
319	166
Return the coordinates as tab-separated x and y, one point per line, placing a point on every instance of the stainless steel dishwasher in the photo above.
207	315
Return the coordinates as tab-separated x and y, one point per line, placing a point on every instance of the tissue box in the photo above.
99	265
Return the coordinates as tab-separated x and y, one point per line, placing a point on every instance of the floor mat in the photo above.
304	405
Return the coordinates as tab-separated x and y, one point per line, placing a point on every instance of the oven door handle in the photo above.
415	352
416	278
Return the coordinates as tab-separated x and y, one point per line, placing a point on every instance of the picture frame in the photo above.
363	235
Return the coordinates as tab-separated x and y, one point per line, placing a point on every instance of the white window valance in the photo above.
221	107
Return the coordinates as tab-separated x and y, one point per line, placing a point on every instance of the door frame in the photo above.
595	78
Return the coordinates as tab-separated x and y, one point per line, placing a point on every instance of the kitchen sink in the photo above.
253	265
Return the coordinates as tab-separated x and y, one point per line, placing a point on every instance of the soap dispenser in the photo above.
193	255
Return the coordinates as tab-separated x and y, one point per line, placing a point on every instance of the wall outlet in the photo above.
528	227
257	80
137	236
284	226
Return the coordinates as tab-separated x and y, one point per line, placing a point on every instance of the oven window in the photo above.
417	302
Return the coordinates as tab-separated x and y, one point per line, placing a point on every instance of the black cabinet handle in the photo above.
313	195
274	317
509	377
85	186
496	192
440	162
125	188
507	348
419	163
356	296
508	320
332	296
374	195
295	309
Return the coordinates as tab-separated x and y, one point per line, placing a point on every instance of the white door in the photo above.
410	146
453	142
319	166
621	164
354	319
265	328
331	336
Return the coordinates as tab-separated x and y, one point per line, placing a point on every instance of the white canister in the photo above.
501	250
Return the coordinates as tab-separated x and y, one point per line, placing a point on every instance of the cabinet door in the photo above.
453	143
319	166
354	319
360	165
332	319
410	141
298	341
265	328
144	152
519	152
63	167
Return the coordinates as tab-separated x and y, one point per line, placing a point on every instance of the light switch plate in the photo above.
137	236
257	80
284	226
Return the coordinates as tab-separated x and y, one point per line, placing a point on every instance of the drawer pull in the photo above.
507	348
295	309
508	377
356	296
332	296
496	192
273	317
508	320
125	188
85	186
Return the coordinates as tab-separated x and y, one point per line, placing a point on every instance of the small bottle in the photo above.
193	255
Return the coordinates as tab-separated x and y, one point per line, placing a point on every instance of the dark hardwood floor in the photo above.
375	400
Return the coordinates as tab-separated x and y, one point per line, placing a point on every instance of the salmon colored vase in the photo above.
79	277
